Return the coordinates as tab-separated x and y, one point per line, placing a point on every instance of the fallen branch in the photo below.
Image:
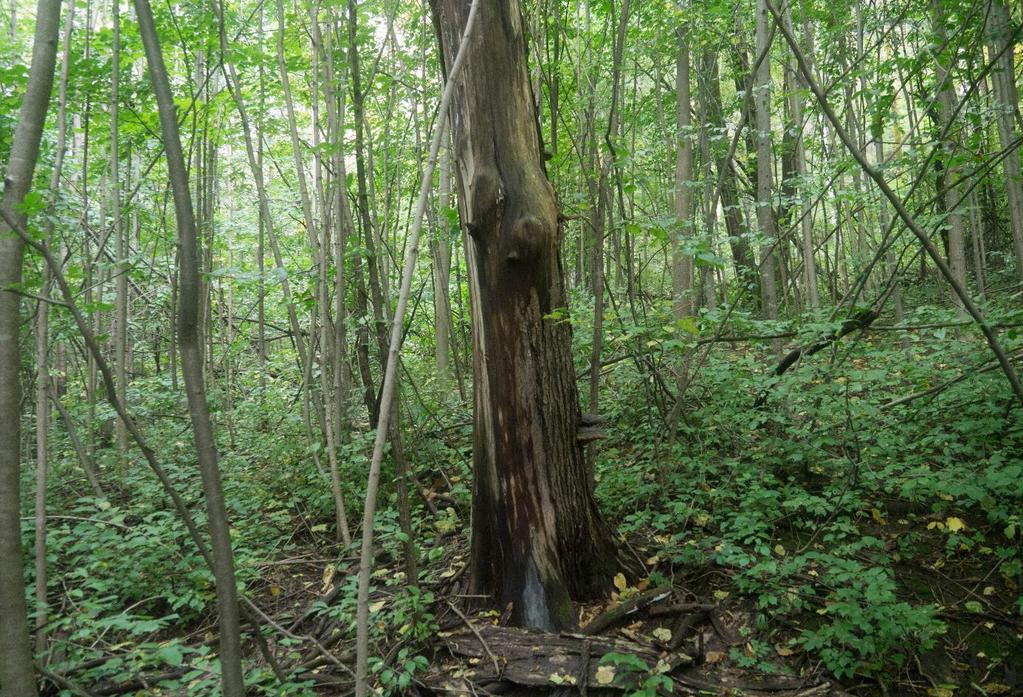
98	521
483	643
624	609
859	321
940	388
684	622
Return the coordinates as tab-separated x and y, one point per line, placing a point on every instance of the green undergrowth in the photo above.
850	528
816	506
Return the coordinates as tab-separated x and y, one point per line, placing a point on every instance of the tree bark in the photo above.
192	361
440	250
683	302
999	29
765	185
948	189
17	676
538	539
43	386
795	98
742	257
120	241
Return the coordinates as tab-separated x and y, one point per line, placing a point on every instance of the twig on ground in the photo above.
472	628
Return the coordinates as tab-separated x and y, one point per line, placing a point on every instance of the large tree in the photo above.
538	540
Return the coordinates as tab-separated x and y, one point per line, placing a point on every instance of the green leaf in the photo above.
171	655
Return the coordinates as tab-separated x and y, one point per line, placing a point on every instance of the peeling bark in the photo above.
538	540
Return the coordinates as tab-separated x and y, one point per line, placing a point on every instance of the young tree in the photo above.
17	676
948	189
765	165
683	303
999	31
192	360
538	539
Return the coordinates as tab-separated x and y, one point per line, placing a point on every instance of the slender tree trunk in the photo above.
43	386
362	182
683	300
441	252
343	227
263	222
192	362
948	176
604	213
795	98
537	537
742	257
120	241
42	461
329	395
76	442
17	675
999	29
389	388
951	199
765	185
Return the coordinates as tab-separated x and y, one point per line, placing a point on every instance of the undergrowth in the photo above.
819	510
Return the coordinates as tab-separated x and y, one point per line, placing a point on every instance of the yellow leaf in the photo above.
955	524
784	650
377	606
779	550
721	595
620	582
322	527
989	590
605	675
662	634
328	576
561	679
275	590
714	656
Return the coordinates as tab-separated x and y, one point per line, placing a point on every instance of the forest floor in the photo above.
690	631
861	533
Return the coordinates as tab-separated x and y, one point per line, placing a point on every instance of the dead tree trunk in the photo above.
538	540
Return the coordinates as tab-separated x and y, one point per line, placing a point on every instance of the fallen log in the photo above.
545	660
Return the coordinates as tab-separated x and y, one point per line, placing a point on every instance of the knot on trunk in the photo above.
527	238
487	200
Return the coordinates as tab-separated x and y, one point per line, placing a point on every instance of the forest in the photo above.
511	347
